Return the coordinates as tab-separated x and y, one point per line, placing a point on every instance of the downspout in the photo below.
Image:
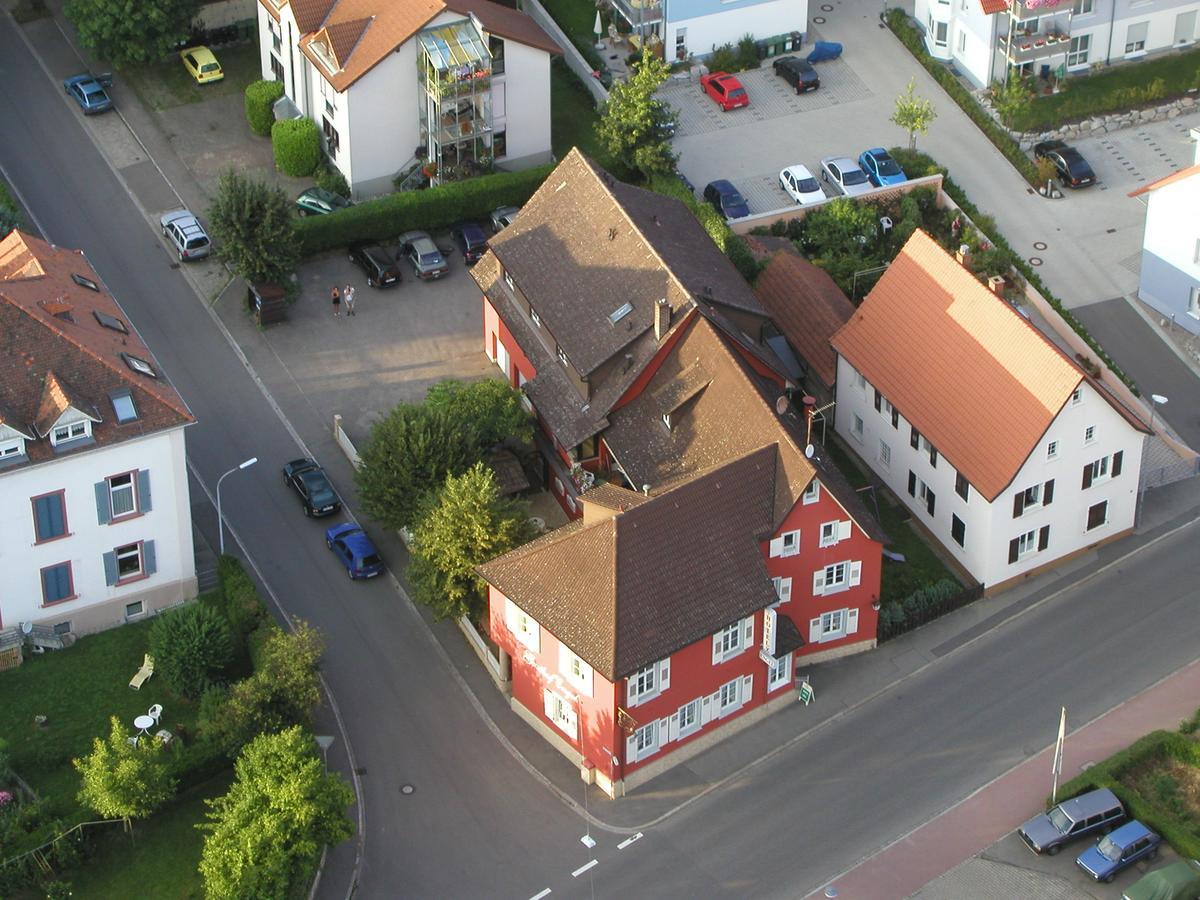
291	59
1112	27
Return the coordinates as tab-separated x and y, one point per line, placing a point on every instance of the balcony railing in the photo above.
639	12
1039	45
1032	9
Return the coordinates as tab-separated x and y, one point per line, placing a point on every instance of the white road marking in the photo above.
583	868
541	895
625	843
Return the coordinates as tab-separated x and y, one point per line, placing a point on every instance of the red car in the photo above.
725	89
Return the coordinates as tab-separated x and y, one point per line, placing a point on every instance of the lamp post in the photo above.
220	521
1156	400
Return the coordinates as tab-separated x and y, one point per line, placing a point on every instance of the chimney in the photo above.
662	318
996	285
646	490
810	406
963	255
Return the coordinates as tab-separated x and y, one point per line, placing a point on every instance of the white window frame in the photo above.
730	640
508	279
1193	309
648	682
729	697
783	590
72	431
1089	435
1082	8
856	428
780	674
575	670
1052	450
522	626
1034	492
1027	543
115	492
1077	396
833	625
847	572
1134	44
787	544
645	741
1079	49
860	380
1100	470
561	712
962	40
941	29
127	552
885	454
14	447
688	717
812	493
135	609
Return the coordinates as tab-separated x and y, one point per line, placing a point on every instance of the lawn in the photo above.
572	115
576	17
168	84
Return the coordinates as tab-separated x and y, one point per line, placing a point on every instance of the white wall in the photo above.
706	32
168	524
1172	224
526	90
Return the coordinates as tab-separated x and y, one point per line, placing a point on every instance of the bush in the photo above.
732	245
747	52
190	646
724	59
239	598
429	210
332	179
260	100
490	408
297	146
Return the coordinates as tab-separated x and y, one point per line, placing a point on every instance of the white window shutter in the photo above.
705	710
851	621
843	532
747	691
814	630
664	733
631	749
777	547
664	674
819	583
784	589
630	696
748	631
717	648
673	728
855	573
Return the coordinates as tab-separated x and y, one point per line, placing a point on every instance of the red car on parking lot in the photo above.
725	89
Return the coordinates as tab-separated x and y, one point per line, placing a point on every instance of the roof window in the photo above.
84	281
110	321
619	313
139	365
122	402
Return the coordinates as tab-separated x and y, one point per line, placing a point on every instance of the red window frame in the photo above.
62	495
72	595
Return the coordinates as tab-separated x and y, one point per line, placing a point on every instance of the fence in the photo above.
893	624
344	442
571	55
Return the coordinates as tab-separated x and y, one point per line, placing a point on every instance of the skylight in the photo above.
84	281
110	321
619	313
123	406
139	365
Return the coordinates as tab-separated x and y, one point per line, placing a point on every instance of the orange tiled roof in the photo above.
960	364
990	7
1165	180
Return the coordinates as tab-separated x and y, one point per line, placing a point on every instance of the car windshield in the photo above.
1109	849
853	176
887	165
209	67
321	494
371	559
733	198
737	92
807	186
431	258
1060	820
197	242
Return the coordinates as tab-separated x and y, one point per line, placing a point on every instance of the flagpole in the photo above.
1056	766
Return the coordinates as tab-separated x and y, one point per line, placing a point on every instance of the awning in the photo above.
787	637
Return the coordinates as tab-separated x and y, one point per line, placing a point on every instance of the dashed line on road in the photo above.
584	868
540	895
629	840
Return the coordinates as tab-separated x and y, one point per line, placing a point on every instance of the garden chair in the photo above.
143	674
155	712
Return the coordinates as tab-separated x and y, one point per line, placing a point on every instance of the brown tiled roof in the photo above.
361	33
808	307
608	496
1165	180
634	587
50	362
990	7
958	362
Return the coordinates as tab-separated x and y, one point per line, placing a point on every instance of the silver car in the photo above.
426	259
846	176
503	217
186	234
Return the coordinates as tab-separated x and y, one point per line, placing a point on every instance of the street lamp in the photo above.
221	522
1156	400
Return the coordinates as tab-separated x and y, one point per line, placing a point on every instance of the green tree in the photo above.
410	453
9	219
1012	99
490	406
914	114
191	645
122	780
633	126
254	228
838	226
284	690
464	525
132	32
265	836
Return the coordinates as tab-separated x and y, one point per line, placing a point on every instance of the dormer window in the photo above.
123	406
12	449
63	434
139	365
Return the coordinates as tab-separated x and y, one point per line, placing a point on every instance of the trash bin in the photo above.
761	47
267	303
1045	72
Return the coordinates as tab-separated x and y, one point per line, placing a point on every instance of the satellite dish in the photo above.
809	451
26	628
781	404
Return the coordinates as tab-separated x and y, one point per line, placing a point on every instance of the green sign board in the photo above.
806	693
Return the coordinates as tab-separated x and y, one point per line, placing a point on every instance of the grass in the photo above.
575	17
922	566
167	84
573	119
164	852
1112	90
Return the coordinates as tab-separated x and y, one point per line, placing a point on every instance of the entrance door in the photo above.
503	362
1185	27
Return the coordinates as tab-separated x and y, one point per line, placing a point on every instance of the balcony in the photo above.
639	12
1032	9
1039	45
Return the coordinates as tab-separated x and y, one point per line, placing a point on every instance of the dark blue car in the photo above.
88	91
1122	848
354	550
881	168
726	200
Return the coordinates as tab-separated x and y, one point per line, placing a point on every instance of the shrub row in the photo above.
1183	836
260	100
429	210
908	33
917	606
732	245
917	164
297	147
239	598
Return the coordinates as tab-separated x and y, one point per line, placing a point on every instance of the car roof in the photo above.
373	250
202	54
722	185
842	162
876	151
725	77
799	171
1130	831
473	229
358	542
424	243
182	217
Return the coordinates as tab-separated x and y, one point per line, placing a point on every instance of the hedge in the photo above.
297	146
1181	835
239	598
732	245
910	36
260	101
428	210
917	164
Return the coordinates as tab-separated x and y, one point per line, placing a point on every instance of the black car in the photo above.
471	241
380	266
1073	170
308	480
797	72
726	200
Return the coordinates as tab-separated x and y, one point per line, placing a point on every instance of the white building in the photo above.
983	37
97	523
697	27
1002	447
459	84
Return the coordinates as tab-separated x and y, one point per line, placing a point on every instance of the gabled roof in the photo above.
636	586
991	7
1181	175
56	354
970	373
808	307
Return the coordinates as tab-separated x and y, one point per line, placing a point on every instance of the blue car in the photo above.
1122	848
726	200
354	550
881	168
88	91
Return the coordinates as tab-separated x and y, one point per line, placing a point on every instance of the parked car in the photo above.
308	480
1116	851
1178	881
379	264
320	202
726	90
1089	813
89	92
797	72
201	64
881	168
471	241
800	185
844	173
1073	170
186	234
420	250
726	200
503	217
354	550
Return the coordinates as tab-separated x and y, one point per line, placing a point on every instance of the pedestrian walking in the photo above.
337	301
348	296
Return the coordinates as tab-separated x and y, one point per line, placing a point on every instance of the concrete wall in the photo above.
522	94
571	56
711	23
1171	252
